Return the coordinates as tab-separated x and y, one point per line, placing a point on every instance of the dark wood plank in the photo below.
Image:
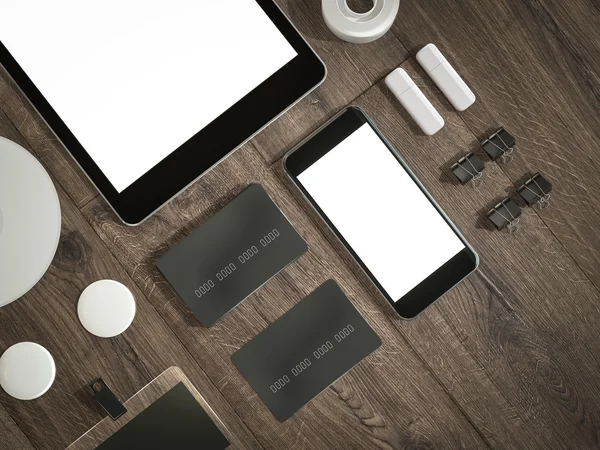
572	25
47	315
352	69
11	437
389	401
535	68
43	141
516	345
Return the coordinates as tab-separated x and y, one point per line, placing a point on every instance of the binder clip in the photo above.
506	214
500	145
468	168
536	191
107	399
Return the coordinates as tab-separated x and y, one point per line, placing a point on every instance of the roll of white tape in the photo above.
359	28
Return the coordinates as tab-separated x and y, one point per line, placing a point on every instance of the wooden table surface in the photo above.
509	359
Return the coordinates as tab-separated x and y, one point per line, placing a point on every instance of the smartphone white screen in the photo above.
381	212
134	80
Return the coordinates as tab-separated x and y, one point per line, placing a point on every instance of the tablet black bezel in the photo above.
324	140
205	149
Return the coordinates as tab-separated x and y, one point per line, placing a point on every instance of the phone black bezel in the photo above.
206	148
324	140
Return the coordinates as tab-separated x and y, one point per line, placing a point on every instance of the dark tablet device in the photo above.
380	211
174	421
148	96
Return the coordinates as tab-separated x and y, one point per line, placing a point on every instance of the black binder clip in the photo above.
500	145
536	191
468	168
506	214
107	399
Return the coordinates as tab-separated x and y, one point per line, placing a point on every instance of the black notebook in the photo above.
176	421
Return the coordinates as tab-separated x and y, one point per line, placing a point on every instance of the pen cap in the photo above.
399	82
430	57
414	101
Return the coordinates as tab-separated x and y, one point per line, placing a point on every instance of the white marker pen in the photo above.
445	77
414	101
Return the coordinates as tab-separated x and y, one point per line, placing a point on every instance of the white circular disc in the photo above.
29	221
106	308
27	371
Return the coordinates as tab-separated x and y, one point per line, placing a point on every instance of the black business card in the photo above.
305	350
230	256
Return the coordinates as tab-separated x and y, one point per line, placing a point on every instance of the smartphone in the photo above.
363	190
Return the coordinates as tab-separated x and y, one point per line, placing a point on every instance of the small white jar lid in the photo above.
27	371
106	308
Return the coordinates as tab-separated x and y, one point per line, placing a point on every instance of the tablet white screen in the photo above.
381	212
134	80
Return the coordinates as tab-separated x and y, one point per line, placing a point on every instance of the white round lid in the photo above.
27	371
106	308
29	221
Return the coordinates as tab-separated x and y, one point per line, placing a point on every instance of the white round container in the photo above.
29	221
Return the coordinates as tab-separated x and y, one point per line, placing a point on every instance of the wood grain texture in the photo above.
47	315
515	335
10	434
535	68
389	401
144	399
352	69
